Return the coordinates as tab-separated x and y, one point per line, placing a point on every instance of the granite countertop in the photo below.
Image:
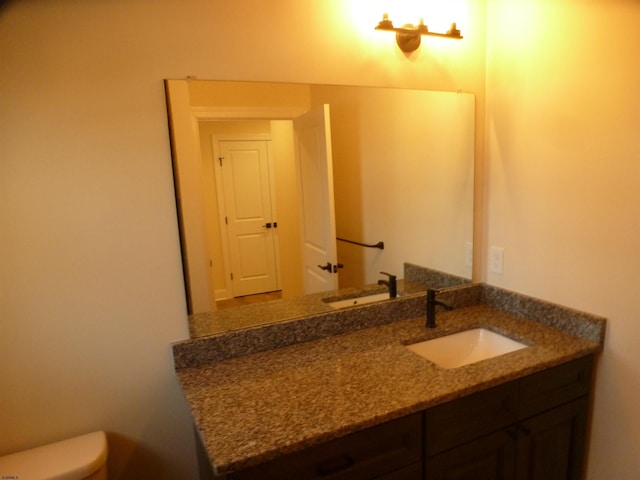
247	316
258	406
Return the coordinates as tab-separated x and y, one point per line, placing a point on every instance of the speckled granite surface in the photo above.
569	320
213	348
416	279
239	342
352	370
433	278
248	316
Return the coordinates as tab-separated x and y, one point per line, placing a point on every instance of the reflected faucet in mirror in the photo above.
391	284
408	182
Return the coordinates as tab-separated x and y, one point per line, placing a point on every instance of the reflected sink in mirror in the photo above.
350	302
464	348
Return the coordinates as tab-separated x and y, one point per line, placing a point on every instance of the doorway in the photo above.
247	213
260	184
238	180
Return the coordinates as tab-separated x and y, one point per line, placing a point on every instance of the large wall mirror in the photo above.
402	174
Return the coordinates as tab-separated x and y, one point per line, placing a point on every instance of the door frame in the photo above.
224	237
196	251
186	158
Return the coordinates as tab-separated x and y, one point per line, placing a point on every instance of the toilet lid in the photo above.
71	459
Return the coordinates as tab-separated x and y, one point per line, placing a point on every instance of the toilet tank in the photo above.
78	458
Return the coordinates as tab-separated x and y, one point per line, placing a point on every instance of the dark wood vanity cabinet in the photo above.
533	428
551	446
530	429
391	451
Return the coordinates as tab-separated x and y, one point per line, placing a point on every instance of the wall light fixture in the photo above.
408	36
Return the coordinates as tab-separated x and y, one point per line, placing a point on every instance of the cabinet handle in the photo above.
335	465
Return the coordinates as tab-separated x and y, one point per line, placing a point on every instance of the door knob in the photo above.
331	268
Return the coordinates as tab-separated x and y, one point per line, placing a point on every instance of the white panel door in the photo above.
313	149
250	216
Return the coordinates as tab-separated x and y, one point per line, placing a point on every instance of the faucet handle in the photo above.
431	298
393	286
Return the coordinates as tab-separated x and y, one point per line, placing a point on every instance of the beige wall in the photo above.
91	279
563	196
288	205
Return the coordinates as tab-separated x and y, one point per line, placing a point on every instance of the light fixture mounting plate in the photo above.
408	38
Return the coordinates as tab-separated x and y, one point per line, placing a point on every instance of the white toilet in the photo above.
78	458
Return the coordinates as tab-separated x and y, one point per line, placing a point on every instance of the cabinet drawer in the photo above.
470	417
553	387
371	453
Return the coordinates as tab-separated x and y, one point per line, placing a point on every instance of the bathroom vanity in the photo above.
532	428
346	399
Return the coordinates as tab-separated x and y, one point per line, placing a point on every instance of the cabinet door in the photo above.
487	458
551	445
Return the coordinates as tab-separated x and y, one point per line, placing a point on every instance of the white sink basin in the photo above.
350	302
466	347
